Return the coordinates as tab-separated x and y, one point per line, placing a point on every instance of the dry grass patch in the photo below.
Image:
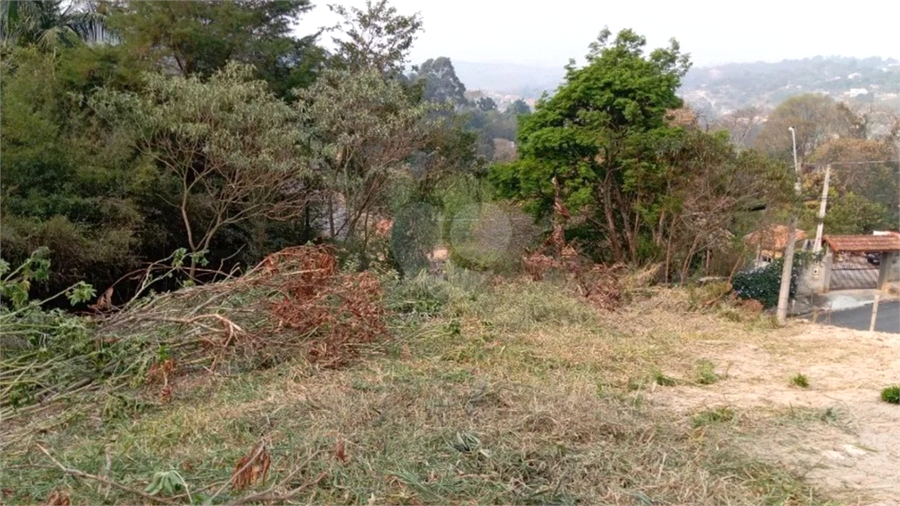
510	393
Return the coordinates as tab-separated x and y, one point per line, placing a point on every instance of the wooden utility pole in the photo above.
785	291
817	246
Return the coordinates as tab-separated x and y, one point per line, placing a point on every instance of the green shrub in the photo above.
423	294
891	394
40	347
414	235
763	284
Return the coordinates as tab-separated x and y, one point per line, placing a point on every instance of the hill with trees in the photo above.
721	89
717	90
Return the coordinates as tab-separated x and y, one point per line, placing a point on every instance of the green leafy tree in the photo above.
866	167
67	184
230	147
863	187
377	37
441	85
596	136
851	213
486	104
518	108
365	129
200	37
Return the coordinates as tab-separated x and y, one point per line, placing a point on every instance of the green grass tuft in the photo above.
891	394
662	380
711	416
800	380
706	373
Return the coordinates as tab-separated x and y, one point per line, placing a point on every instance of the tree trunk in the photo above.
630	236
611	231
331	213
687	260
660	229
668	257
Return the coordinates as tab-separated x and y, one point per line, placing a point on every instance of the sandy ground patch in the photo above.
837	432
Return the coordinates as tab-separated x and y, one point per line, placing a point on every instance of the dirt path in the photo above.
837	431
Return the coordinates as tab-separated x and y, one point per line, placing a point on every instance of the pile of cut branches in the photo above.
338	310
295	302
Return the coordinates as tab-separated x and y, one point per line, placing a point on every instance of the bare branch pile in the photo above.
294	303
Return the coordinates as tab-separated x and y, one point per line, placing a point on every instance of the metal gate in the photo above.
852	272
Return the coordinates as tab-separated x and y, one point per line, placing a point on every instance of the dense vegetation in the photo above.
132	129
123	122
192	197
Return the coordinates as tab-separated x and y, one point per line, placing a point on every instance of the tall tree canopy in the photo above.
375	37
815	118
440	81
518	107
229	147
365	128
200	37
596	137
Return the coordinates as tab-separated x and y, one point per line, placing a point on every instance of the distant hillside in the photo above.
723	88
522	81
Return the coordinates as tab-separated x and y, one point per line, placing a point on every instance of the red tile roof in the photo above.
773	238
863	243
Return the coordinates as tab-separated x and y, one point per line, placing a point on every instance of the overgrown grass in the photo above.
489	392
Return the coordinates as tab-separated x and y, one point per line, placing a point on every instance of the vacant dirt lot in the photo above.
836	432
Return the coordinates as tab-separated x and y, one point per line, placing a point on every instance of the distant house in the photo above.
771	242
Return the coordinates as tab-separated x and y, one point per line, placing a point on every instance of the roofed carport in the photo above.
888	245
863	243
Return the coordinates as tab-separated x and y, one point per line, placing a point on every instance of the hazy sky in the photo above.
713	32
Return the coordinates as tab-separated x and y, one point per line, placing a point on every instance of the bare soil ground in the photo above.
836	432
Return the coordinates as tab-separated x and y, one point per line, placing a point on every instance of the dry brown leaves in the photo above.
336	309
251	468
751	306
602	285
340	452
159	372
104	303
58	498
537	264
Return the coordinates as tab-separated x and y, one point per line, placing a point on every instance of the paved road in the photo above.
859	318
